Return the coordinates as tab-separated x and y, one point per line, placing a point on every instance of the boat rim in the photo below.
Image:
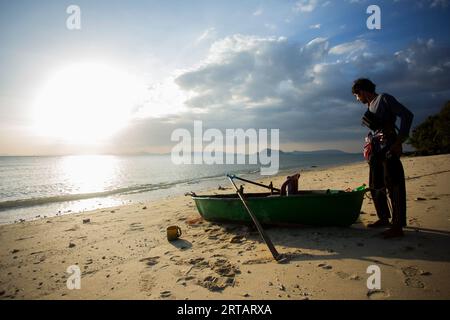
268	195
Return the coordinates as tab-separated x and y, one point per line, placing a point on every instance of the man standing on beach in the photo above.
386	169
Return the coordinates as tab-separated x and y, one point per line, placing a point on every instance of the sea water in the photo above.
37	187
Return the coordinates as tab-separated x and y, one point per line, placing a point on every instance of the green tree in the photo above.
433	135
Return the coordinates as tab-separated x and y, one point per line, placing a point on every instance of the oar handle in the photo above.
263	235
253	182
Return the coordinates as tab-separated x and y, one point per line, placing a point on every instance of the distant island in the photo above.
269	151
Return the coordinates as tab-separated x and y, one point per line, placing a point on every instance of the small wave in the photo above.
38	201
30	202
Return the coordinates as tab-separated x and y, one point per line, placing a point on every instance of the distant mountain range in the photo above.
294	153
330	151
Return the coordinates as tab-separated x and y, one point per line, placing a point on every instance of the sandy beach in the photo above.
123	252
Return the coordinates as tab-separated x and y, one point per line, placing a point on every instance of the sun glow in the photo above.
89	173
86	103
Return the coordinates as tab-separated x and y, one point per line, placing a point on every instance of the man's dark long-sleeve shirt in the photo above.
386	108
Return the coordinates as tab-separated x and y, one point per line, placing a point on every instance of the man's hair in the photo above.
363	85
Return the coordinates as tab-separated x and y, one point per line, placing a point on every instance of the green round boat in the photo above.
315	208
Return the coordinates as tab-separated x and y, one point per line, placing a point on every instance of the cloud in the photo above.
305	5
207	35
258	12
432	4
270	26
439	3
301	89
349	47
250	69
315	26
270	82
162	99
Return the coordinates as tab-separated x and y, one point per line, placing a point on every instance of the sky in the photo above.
135	71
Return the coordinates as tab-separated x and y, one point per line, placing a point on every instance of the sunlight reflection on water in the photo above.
87	174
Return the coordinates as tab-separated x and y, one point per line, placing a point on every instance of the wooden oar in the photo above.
255	183
278	257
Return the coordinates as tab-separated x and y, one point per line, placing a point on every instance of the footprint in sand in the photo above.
146	283
137	226
325	266
377	295
215	284
355	277
410	271
414	283
150	261
216	274
258	261
238	239
342	275
224	268
165	294
410	274
174	258
197	263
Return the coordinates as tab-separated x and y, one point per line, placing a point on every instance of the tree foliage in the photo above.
433	135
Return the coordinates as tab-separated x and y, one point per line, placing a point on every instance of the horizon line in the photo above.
143	153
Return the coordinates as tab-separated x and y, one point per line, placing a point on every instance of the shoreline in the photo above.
123	253
59	208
